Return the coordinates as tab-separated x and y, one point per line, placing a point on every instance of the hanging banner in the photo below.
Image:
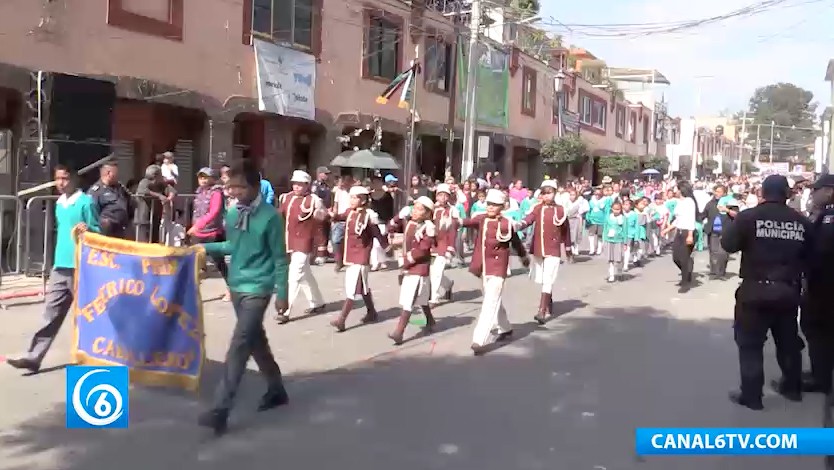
286	80
492	85
138	305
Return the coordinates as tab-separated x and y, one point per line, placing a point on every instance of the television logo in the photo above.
97	397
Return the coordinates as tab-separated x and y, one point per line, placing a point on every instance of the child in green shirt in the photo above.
259	265
74	210
614	238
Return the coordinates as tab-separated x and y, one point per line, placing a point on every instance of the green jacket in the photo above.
596	211
632	219
614	229
259	254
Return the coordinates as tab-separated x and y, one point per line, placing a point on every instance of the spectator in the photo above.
170	171
267	193
155	199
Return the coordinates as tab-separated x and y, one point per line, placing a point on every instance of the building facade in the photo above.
193	76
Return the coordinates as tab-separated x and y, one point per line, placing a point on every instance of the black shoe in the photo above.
505	336
273	399
809	385
314	310
217	420
31	365
478	350
282	318
739	399
779	387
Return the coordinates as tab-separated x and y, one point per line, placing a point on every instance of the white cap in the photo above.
359	191
606	179
443	188
425	202
299	176
549	184
496	196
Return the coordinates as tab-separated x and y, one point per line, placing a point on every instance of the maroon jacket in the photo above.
492	248
418	241
447	230
302	229
360	232
551	232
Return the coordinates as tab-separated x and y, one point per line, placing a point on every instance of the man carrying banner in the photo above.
303	213
259	267
73	210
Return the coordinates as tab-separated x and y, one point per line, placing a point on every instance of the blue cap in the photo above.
391	179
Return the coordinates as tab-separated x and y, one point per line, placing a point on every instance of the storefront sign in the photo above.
286	80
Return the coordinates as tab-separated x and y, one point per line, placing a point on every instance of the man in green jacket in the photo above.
255	241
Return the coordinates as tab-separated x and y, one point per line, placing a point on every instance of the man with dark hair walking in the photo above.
259	268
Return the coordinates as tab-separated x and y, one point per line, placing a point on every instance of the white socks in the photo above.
612	271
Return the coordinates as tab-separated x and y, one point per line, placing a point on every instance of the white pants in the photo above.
544	272
301	279
440	284
493	315
378	255
353	273
414	291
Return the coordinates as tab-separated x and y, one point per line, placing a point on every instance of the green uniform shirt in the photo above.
614	230
259	254
69	212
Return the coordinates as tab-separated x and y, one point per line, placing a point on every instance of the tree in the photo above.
658	163
793	111
616	166
567	149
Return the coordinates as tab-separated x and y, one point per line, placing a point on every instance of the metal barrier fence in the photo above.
27	229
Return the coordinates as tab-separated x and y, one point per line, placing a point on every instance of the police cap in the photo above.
775	187
824	181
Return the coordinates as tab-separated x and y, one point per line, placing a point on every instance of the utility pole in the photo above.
772	126
758	143
471	115
743	138
412	138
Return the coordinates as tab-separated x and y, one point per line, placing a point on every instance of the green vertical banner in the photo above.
493	83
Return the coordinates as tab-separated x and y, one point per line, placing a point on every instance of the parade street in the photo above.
564	396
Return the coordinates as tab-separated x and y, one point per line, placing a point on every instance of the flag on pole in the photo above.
405	82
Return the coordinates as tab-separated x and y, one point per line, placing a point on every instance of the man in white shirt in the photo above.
683	223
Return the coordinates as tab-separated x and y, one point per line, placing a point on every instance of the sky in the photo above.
726	61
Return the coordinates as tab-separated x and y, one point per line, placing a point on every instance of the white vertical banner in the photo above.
286	80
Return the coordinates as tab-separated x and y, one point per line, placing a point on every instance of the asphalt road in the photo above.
564	396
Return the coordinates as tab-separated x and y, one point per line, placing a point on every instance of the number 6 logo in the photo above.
107	413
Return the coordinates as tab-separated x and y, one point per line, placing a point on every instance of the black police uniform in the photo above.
817	321
775	242
115	208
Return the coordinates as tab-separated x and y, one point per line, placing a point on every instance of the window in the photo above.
585	118
382	48
645	129
528	92
438	65
632	127
621	121
598	114
284	21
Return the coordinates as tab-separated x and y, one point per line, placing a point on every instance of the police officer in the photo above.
817	321
775	243
114	203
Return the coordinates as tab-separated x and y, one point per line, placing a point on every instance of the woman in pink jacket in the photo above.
207	217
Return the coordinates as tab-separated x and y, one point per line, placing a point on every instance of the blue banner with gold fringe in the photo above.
138	305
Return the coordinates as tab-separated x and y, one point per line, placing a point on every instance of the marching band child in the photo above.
551	232
614	237
360	231
418	240
495	237
446	222
640	233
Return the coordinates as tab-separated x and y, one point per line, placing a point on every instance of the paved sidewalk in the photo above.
564	396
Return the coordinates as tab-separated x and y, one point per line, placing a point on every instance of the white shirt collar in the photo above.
67	201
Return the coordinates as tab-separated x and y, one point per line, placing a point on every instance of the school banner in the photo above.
138	305
492	85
